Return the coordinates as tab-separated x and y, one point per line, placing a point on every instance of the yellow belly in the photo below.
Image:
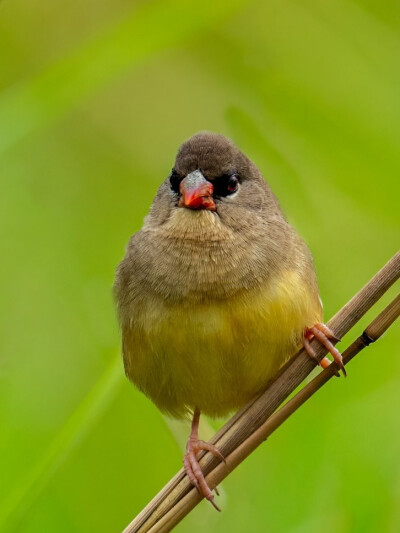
217	356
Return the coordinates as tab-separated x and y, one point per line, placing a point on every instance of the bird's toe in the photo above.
325	336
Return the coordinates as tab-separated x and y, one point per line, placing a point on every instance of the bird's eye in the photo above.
233	184
175	181
225	185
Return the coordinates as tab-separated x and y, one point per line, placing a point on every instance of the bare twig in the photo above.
246	430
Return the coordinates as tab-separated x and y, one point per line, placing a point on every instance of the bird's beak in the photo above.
196	192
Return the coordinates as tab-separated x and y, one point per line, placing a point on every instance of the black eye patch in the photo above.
175	180
225	185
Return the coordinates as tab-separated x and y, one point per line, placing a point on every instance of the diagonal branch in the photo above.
257	420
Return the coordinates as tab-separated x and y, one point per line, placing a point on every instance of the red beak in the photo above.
196	192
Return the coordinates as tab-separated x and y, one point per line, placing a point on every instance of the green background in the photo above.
95	99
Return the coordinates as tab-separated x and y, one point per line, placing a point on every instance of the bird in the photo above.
215	292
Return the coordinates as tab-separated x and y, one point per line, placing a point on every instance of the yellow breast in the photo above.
218	355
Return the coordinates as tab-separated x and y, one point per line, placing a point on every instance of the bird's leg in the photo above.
191	465
323	334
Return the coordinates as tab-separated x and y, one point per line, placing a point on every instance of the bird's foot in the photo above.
193	469
323	334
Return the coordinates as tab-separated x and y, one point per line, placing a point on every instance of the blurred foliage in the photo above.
95	99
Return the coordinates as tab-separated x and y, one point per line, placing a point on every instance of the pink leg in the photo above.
191	465
323	334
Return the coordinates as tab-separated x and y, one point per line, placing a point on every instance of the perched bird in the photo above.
215	292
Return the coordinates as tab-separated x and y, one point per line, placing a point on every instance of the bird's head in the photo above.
208	170
211	175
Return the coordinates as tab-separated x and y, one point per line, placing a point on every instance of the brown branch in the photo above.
252	424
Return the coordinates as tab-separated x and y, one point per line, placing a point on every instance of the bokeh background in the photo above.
95	99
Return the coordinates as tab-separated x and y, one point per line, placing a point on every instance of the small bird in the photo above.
215	292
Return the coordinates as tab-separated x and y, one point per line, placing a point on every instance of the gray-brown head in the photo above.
211	174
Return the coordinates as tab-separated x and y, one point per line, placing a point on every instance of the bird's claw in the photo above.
324	335
193	469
